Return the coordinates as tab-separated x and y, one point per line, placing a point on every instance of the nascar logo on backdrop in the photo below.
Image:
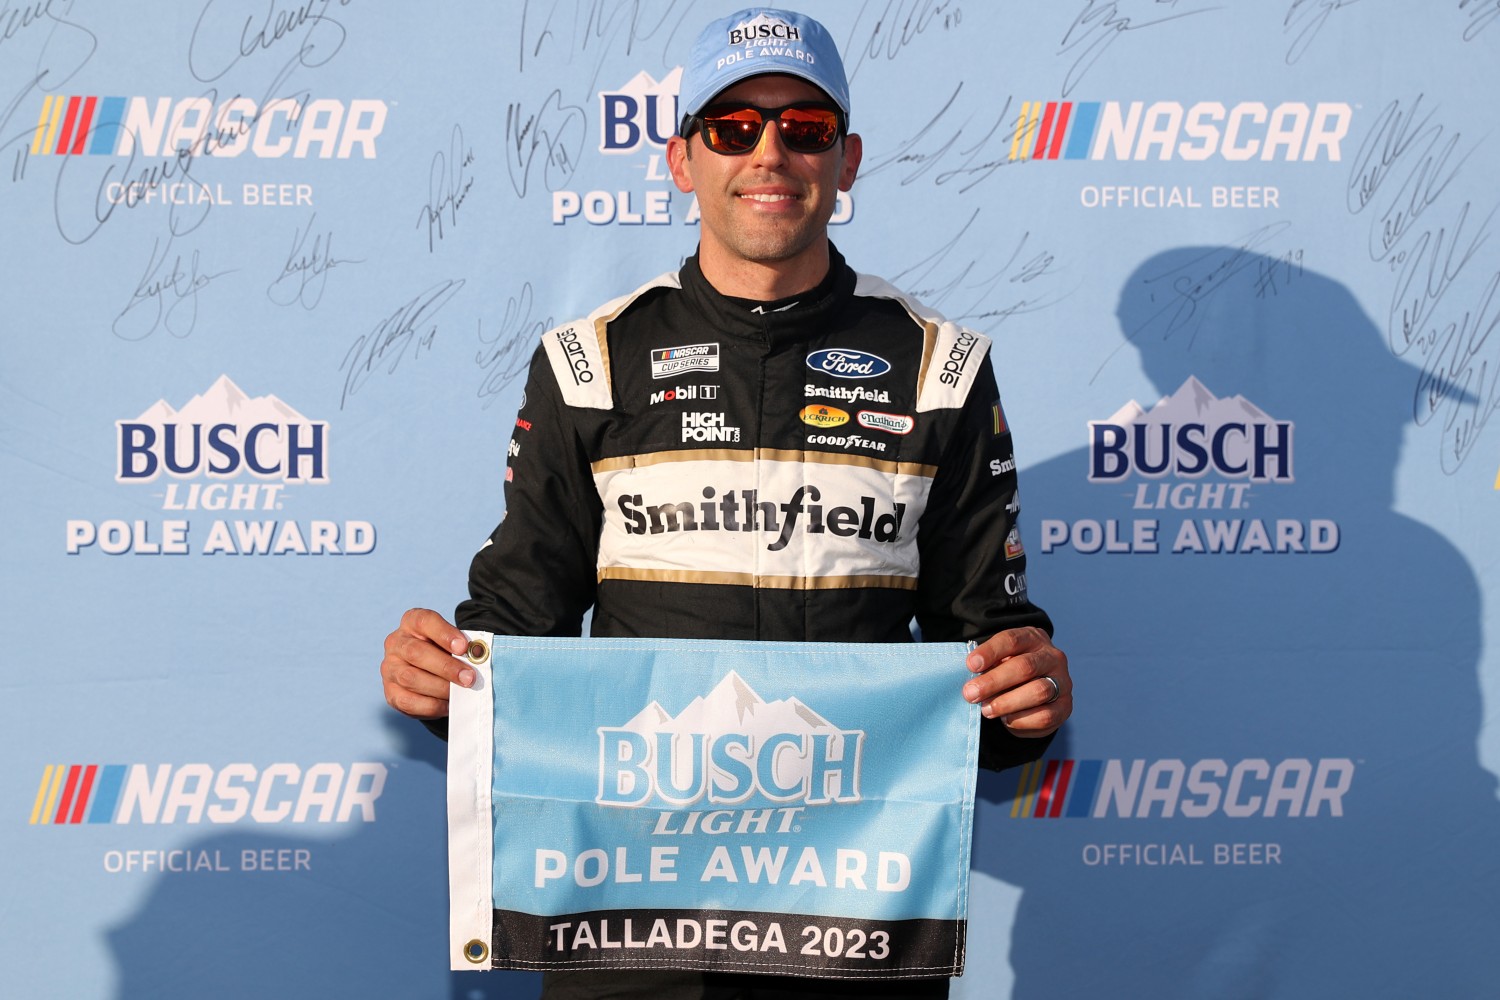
166	795
223	451
174	133
1293	788
1162	131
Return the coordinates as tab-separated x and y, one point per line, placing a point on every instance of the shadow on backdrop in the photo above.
367	918
1362	661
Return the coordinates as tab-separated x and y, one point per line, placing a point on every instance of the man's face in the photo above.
767	205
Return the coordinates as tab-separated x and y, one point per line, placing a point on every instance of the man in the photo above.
685	461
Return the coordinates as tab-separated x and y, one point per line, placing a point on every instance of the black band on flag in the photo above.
730	941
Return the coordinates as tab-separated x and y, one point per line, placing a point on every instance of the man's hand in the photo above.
419	664
1023	681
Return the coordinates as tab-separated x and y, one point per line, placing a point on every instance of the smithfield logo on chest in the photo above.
842	363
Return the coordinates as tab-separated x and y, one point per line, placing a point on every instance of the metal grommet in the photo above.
477	652
476	951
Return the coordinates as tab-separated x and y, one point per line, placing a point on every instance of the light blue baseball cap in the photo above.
756	41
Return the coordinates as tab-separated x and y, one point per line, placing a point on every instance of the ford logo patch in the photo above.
841	363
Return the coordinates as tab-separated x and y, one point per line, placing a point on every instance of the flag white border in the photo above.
471	757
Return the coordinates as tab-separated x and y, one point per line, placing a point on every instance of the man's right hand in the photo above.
419	664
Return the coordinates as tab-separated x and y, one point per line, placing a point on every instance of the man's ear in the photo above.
677	163
854	150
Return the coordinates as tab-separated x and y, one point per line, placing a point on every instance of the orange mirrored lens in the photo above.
802	129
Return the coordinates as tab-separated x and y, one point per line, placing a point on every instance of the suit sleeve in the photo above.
973	577
537	572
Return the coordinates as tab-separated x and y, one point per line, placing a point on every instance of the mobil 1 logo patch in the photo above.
669	361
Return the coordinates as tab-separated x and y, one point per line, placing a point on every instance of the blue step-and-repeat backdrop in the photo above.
272	275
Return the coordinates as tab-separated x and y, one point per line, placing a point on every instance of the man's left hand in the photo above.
1022	680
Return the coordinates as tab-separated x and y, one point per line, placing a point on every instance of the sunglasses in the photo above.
732	129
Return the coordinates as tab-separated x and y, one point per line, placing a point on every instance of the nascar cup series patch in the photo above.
777	807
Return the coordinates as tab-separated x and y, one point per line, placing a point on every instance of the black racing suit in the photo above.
823	468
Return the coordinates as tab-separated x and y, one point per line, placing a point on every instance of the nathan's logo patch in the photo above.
891	423
669	361
842	363
823	416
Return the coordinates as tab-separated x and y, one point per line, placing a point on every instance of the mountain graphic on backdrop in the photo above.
1192	403
223	403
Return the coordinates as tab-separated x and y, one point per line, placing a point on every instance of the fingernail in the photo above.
466	677
971	692
974	663
986	711
457	644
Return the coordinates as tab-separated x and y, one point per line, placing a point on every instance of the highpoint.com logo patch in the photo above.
74	794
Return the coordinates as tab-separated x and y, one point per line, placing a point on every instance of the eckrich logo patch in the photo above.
842	363
669	361
730	747
824	416
224	450
163	794
1191	452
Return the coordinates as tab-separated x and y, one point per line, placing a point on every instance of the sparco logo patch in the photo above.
577	361
729	747
958	357
841	363
891	423
669	361
824	416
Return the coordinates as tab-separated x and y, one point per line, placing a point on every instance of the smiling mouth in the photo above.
770	197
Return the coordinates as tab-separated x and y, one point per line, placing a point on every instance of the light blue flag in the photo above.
770	807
